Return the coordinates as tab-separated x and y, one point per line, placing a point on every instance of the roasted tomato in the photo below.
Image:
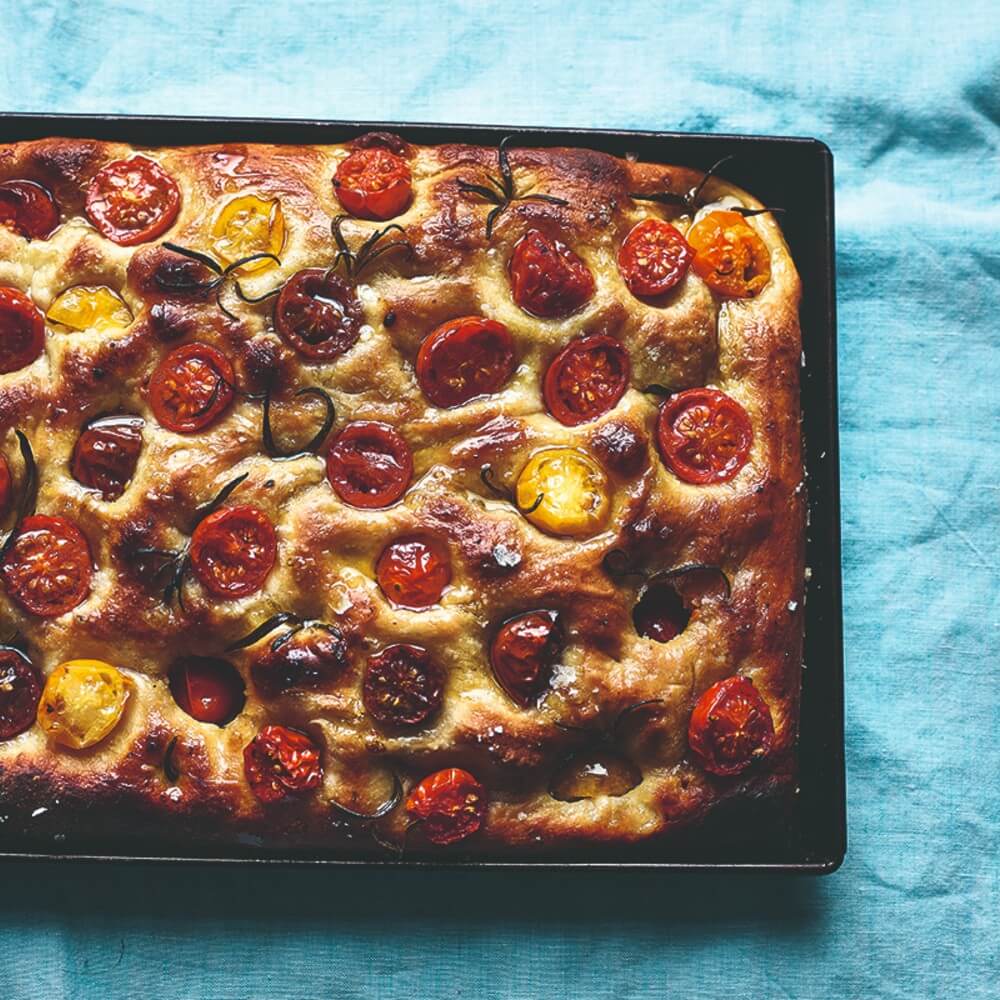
307	658
413	572
132	201
564	492
233	550
369	464
731	727
6	485
463	359
593	773
586	378
22	330
660	613
450	804
403	686
191	388
90	307
373	184
208	689
522	654
704	436
106	453
547	279
653	258
82	702
245	226
318	314
20	689
280	762
729	256
48	568
28	209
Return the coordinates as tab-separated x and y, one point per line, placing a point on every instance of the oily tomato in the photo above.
373	183
106	453
586	379
729	256
245	226
22	330
318	314
463	359
208	689
451	805
653	258
522	654
233	550
413	572
369	464
660	613
132	201
90	307
20	689
403	686
191	388
564	491
28	209
731	727
82	702
547	279
280	761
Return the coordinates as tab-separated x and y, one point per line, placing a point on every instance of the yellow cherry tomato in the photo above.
729	256
90	307
570	490
248	225
82	702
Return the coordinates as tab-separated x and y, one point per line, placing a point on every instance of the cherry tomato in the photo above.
90	307
729	256
22	330
369	464
546	278
704	436
403	686
463	359
20	689
373	184
28	209
451	805
208	689
191	388
280	762
48	568
653	258
573	492
522	654
132	201
660	613
83	700
308	658
413	572
731	727
233	550
586	378
245	226
106	453
593	773
6	485
318	314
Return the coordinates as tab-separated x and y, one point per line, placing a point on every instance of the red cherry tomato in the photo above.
191	388
653	258
451	805
731	727
48	568
6	485
28	209
413	572
106	453
132	201
402	686
369	464
280	762
373	184
463	359
318	314
704	436
522	654
586	378
22	330
20	690
660	613
546	278
233	550
208	689
307	659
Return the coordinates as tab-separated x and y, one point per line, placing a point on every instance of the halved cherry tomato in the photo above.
22	330
463	359
82	702
586	378
90	307
564	491
191	388
451	805
731	727
413	572
704	436
233	550
318	314
369	464
522	654
280	761
248	225
729	255
47	570
106	453
20	689
653	258
308	658
207	688
373	184
592	773
546	278
660	613
132	201
6	485
403	686
28	209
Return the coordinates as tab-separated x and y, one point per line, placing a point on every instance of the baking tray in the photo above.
805	832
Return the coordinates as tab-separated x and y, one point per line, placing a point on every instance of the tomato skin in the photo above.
704	436
586	379
191	388
730	257
208	689
660	614
373	183
731	727
132	201
464	359
369	465
233	550
522	654
403	686
22	330
318	314
82	702
279	762
308	659
547	279
6	485
450	804
653	258
413	572
106	453
20	690
28	209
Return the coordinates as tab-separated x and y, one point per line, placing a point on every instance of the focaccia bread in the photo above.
467	514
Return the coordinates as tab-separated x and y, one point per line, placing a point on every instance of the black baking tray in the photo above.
805	832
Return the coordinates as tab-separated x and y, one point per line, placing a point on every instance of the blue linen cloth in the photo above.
909	100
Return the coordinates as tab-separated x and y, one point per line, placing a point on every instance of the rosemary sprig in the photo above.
376	814
29	491
617	563
267	434
355	261
505	493
296	623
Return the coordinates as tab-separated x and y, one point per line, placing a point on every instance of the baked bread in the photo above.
466	515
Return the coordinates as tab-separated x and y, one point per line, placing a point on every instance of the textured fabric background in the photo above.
909	100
